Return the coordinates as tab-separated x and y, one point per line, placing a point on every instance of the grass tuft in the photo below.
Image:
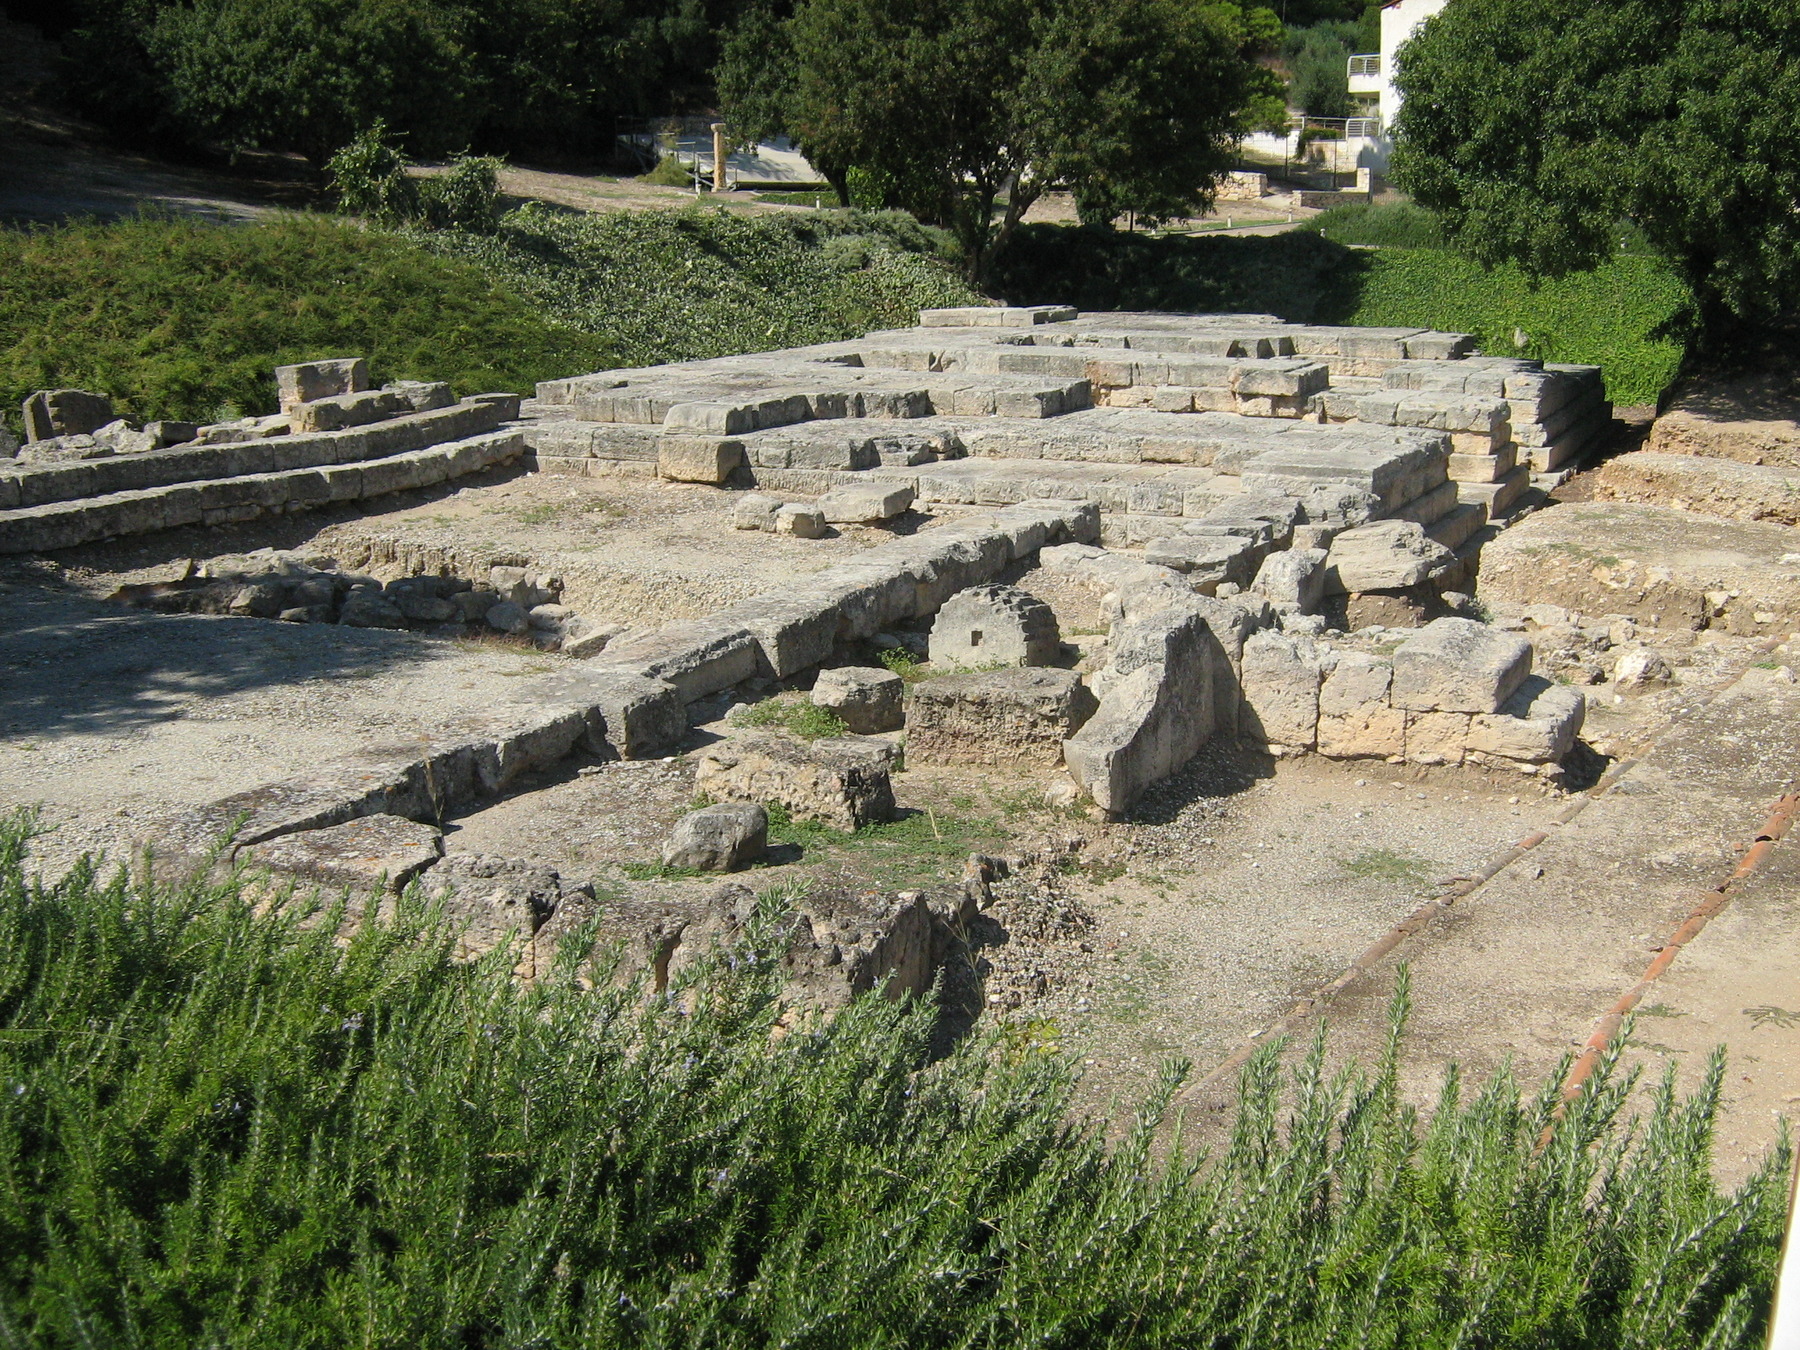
799	716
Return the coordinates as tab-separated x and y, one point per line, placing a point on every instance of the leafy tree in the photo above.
1317	62
1534	129
307	75
946	107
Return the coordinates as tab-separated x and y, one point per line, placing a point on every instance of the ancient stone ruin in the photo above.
1275	523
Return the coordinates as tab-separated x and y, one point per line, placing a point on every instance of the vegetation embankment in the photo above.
1619	316
218	1126
183	319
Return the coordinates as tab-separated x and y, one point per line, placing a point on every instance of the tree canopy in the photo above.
948	107
1536	128
308	75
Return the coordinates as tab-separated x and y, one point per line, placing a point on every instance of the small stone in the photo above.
549	618
1640	668
803	522
868	699
865	505
509	617
723	838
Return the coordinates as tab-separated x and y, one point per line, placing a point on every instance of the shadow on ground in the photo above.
70	664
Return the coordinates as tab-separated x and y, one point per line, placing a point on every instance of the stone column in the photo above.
718	131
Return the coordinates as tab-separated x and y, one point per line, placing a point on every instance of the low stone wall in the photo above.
631	701
65	524
38	485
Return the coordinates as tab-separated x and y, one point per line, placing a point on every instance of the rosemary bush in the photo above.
219	1128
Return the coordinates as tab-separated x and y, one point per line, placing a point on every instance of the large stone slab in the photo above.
1158	705
840	781
374	853
1459	666
997	718
1383	556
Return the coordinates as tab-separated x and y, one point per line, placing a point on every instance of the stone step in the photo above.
1455	528
65	524
28	485
1498	497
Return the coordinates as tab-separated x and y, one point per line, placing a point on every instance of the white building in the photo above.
1372	80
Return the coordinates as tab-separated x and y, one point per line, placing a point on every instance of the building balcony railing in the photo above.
1369	65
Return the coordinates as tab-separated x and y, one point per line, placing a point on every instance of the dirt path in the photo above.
1520	971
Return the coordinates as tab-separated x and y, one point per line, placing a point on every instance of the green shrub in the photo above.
1389	225
370	178
681	285
669	172
174	318
218	1127
466	196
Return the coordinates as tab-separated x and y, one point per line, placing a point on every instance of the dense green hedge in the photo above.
1611	317
681	285
179	318
220	1128
185	319
1614	317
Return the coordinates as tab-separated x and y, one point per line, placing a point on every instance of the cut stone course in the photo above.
999	718
1459	666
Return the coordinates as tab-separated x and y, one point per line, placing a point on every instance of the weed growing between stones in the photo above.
804	719
219	1127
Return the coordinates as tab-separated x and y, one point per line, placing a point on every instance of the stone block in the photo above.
800	521
373	853
1159	701
755	511
1207	560
867	698
1460	666
1280	677
865	505
345	410
726	837
698	459
422	395
494	900
629	716
313	380
1001	718
1387	555
699	657
169	433
792	632
994	626
1294	577
1537	725
1436	737
839	781
707	419
1356	719
50	413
